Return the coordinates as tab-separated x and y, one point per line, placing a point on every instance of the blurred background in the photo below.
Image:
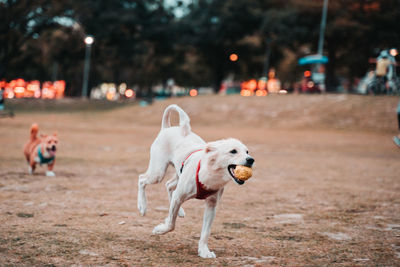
121	49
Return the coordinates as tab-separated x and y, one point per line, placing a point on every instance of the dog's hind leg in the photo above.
177	199
32	166
154	174
171	186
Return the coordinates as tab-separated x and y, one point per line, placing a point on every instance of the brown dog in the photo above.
41	150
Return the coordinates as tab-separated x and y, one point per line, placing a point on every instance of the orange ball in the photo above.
243	173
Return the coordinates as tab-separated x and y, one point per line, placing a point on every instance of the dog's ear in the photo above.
55	134
210	147
211	150
43	135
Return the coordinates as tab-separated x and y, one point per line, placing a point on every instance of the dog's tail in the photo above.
34	131
184	120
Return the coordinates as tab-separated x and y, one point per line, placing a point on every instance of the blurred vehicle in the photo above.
307	84
313	80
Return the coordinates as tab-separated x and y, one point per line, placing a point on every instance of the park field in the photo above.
325	189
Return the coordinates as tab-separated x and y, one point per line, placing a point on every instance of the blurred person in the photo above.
362	87
1	99
384	67
396	139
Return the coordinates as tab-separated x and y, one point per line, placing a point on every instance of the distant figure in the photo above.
384	67
1	99
396	139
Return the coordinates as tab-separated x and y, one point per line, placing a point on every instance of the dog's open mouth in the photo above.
231	170
52	150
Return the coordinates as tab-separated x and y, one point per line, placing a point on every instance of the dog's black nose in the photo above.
53	148
250	161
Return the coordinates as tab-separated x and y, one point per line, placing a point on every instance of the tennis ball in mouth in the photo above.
242	172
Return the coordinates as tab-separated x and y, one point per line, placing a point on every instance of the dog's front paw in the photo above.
30	170
206	253
181	212
161	229
50	174
142	206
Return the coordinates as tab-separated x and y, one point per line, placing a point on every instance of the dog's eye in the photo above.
247	152
233	151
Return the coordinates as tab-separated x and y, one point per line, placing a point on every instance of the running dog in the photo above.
202	171
41	150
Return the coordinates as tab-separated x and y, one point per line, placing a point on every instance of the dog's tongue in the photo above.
52	153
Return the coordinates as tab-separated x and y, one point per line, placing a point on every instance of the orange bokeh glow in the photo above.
129	93
193	92
19	88
261	93
233	57
246	92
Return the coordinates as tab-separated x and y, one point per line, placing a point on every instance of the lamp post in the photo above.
322	28
88	41
321	41
268	42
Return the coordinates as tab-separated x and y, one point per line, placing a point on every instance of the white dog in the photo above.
202	171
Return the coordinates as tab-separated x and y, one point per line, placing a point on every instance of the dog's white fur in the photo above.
172	146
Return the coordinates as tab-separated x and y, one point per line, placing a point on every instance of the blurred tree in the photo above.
21	23
132	39
214	30
143	42
354	30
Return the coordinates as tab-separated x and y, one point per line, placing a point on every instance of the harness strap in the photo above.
202	193
44	160
183	162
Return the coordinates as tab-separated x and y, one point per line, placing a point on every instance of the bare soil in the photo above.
325	190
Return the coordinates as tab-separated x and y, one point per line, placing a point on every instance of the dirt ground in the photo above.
325	190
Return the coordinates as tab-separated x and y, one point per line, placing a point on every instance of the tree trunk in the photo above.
331	82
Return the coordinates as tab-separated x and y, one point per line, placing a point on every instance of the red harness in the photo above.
202	193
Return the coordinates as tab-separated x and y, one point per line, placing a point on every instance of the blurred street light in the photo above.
233	57
322	28
321	41
88	41
393	52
